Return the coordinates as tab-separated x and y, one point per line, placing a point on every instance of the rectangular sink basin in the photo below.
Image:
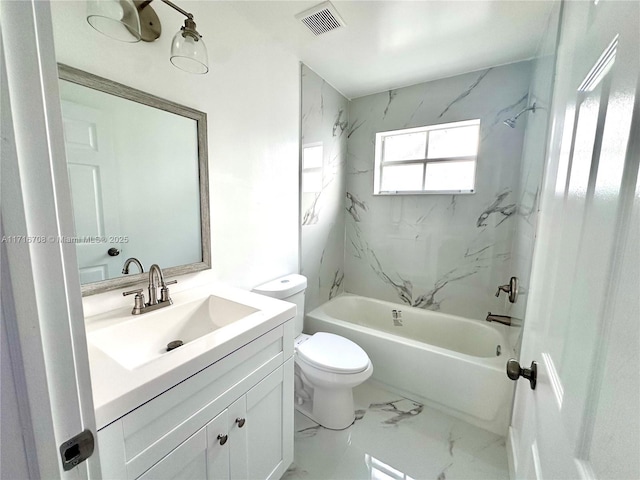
145	337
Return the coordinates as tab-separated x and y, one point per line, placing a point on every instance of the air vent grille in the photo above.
321	19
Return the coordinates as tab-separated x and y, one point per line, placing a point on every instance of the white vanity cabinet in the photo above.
231	420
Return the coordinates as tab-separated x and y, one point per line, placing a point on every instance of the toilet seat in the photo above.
333	353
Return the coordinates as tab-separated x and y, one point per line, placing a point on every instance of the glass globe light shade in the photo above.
117	19
189	54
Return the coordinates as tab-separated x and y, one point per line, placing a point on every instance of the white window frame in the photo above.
380	163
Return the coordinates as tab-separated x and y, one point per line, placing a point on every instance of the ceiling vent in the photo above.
321	19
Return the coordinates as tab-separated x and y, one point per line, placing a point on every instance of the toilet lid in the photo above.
333	353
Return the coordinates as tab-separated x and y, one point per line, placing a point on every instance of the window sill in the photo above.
425	192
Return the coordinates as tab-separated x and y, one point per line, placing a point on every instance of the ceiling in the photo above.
396	43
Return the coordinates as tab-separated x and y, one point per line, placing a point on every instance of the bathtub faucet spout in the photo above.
503	319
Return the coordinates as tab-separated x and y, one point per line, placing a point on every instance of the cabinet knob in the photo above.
240	422
223	439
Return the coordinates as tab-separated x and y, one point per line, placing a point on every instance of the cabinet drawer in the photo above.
166	421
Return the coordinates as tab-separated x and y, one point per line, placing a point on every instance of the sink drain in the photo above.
175	344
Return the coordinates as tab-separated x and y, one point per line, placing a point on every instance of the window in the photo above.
312	168
432	159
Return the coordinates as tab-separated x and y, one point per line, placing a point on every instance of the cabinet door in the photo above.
188	460
269	425
218	442
238	459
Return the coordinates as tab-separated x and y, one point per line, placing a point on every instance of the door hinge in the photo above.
77	449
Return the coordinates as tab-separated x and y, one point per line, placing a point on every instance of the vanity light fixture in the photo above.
135	20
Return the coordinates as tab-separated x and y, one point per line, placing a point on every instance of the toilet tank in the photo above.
290	289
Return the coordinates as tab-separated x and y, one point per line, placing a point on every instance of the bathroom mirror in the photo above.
138	173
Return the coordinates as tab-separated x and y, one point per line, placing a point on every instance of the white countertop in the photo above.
118	390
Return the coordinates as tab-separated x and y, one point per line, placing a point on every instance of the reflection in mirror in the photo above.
137	169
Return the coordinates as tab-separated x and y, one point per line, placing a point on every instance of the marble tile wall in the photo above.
533	159
440	252
325	121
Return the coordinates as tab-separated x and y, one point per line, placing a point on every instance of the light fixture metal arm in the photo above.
176	7
142	4
150	28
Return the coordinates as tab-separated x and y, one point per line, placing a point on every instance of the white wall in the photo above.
251	97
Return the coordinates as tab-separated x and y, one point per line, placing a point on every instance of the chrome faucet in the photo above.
129	261
503	319
155	272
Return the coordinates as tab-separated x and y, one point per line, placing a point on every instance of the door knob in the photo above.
113	252
515	371
223	439
240	422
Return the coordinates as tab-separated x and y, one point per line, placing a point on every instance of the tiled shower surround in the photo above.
434	251
324	120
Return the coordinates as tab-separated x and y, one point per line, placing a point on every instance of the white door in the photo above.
582	322
94	191
41	289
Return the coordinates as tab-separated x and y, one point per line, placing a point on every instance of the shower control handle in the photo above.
515	371
510	289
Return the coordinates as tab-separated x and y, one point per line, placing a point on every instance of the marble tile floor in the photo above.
394	438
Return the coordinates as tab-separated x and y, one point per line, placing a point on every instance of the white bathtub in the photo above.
445	361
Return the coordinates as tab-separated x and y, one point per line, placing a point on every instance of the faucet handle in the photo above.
131	292
164	291
138	304
502	288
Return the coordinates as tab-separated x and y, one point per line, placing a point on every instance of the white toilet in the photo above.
327	366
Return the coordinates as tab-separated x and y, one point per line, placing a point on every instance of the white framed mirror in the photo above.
138	172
